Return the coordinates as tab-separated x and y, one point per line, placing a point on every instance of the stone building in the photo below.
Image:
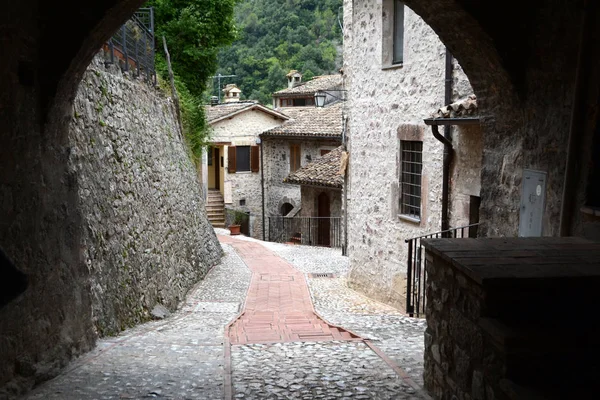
309	133
233	158
398	72
321	183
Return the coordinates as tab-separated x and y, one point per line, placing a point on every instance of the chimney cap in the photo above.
214	100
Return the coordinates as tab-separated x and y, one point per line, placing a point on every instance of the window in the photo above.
294	157
411	159
398	32
392	33
242	159
210	155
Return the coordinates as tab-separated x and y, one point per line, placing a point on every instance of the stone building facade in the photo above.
396	79
310	133
321	183
234	158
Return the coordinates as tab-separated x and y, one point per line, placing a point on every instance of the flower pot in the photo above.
234	229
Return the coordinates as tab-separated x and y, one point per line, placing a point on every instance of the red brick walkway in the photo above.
278	305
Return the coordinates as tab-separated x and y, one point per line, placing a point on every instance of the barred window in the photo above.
411	159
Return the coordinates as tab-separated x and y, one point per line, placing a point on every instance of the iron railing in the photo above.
311	231
416	272
132	46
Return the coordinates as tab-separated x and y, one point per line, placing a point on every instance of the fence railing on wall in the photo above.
416	271
311	231
132	46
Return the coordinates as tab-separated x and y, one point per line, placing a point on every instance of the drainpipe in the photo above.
577	125
262	184
446	140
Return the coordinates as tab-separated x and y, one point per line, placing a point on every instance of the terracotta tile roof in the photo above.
223	110
460	109
310	122
324	171
324	82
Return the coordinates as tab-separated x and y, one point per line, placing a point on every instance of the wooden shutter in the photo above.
294	157
254	159
231	159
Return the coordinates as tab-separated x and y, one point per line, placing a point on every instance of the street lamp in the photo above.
320	98
321	95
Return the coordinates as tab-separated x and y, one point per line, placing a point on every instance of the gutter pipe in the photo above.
446	140
262	186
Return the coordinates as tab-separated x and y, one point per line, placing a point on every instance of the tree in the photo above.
195	30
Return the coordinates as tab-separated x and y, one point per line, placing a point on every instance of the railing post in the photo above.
124	41
409	308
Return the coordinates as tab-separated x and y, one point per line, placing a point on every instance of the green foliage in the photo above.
195	30
236	217
276	36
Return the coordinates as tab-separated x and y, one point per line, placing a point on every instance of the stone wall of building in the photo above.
465	173
386	105
310	205
246	192
277	168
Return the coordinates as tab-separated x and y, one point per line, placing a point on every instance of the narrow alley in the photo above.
270	321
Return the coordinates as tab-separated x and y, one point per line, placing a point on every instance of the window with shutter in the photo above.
294	157
254	158
231	159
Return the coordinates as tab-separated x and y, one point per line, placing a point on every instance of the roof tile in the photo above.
324	171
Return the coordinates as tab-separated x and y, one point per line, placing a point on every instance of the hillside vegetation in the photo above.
275	36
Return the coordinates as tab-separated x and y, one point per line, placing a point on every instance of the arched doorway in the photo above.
324	224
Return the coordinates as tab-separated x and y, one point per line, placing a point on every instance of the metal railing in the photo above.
311	231
132	46
416	272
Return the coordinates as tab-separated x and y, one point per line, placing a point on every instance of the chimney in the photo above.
214	100
294	78
232	93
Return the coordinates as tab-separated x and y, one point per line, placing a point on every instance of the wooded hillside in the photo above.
276	36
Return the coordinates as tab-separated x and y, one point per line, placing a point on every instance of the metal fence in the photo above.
132	46
416	272
311	231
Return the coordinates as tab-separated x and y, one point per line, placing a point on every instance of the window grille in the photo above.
242	157
411	158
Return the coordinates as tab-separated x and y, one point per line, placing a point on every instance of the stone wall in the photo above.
147	239
386	105
465	172
310	195
457	352
135	219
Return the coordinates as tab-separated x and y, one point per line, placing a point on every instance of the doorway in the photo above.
217	165
324	223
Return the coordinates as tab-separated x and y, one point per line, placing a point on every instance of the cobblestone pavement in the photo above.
180	357
187	355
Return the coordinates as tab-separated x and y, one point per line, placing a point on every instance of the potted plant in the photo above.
236	218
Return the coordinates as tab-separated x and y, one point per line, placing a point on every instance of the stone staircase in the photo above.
215	208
